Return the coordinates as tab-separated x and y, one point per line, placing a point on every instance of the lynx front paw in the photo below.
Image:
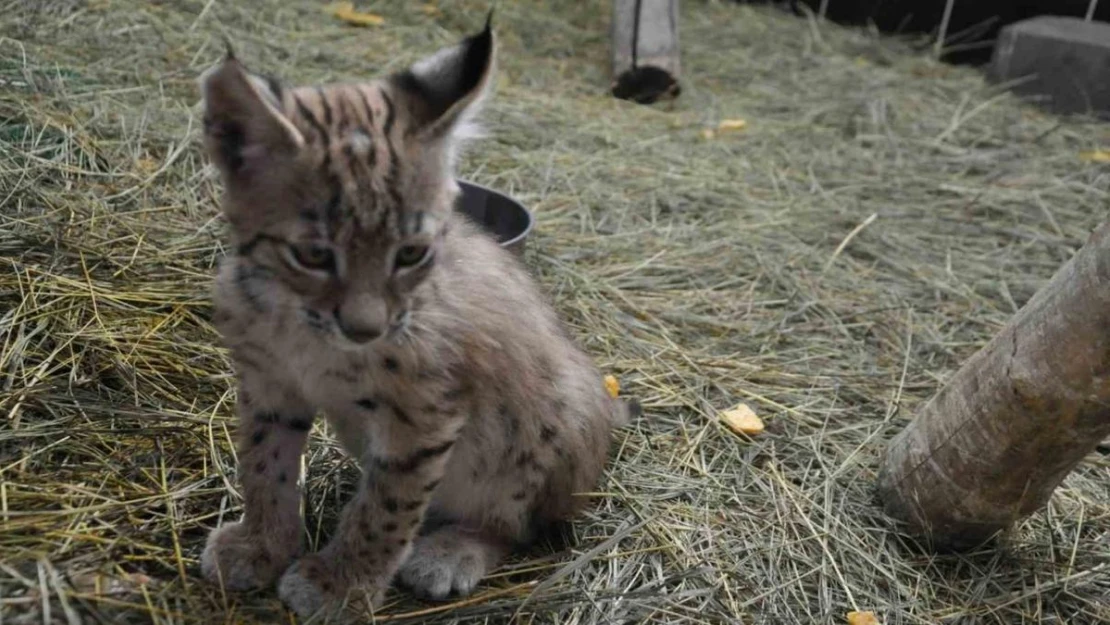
308	588
239	560
447	561
299	593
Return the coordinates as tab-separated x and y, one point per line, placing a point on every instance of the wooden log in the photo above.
1015	419
644	37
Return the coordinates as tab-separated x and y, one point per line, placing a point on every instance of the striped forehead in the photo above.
356	134
402	226
351	132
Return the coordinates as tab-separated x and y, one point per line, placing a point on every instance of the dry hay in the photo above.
704	272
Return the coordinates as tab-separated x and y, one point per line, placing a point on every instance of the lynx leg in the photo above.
378	526
273	430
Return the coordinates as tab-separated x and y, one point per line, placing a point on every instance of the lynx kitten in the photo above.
356	289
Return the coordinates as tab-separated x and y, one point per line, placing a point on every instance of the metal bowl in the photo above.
503	217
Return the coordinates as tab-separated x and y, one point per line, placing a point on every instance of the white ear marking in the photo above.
428	66
448	86
269	98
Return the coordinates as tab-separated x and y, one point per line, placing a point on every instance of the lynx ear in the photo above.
243	123
444	89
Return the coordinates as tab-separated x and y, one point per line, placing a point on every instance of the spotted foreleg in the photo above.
273	430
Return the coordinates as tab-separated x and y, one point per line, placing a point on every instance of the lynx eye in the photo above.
410	256
313	256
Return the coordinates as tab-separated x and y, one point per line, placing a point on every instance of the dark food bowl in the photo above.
503	217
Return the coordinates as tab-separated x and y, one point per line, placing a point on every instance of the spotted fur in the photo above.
355	288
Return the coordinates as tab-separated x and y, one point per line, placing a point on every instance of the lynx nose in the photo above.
361	318
364	335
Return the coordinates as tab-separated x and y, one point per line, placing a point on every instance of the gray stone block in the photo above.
1064	61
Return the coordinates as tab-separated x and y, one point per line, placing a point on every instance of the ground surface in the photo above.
703	270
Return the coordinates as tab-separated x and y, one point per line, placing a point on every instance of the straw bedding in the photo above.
878	219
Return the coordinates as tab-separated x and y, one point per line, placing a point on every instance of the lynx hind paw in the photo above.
238	560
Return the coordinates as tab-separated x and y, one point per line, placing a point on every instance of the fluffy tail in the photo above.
625	410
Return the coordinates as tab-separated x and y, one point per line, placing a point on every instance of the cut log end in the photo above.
645	85
1059	61
645	51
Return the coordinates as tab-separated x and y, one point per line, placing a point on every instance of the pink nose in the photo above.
360	335
361	317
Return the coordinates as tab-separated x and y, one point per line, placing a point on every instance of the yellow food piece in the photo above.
743	420
708	133
346	12
1095	156
146	165
733	124
613	386
862	618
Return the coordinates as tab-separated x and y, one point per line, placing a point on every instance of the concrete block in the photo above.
1065	61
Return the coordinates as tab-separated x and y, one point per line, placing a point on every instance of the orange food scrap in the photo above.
613	386
346	12
862	618
147	165
1095	156
743	420
732	124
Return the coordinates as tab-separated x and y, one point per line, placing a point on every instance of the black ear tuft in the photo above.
443	85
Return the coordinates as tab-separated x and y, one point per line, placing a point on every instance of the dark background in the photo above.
971	30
